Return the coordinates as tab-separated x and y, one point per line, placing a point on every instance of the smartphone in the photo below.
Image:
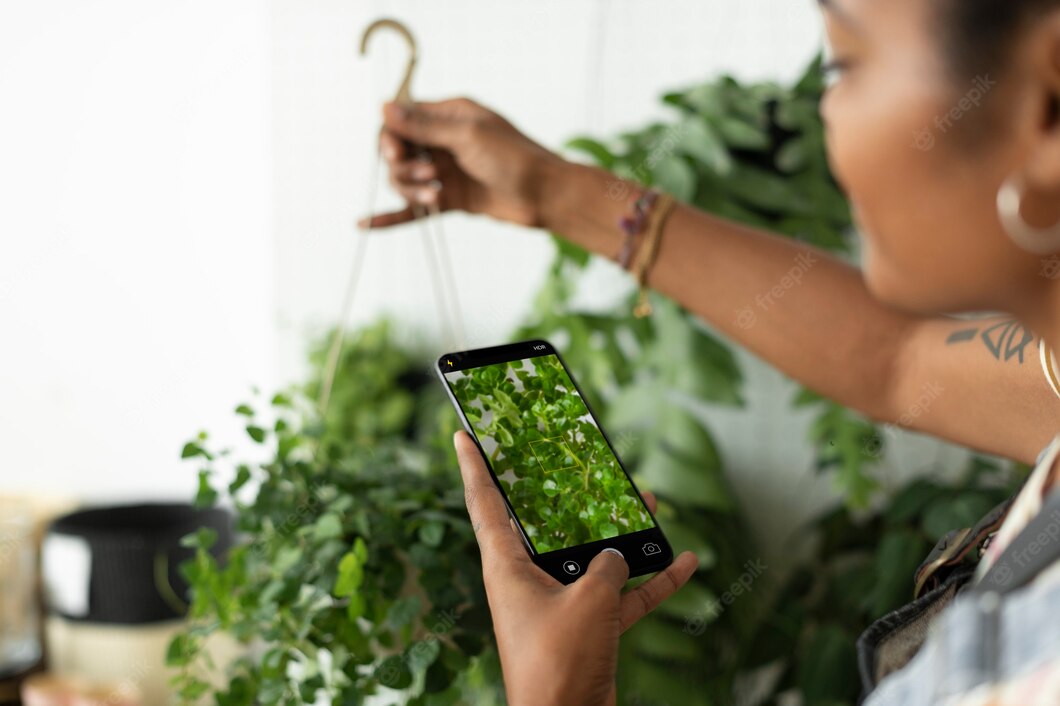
564	485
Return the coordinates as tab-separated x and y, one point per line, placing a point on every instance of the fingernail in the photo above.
612	549
422	171
425	195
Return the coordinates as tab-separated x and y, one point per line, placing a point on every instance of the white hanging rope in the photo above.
449	280
337	339
439	283
443	285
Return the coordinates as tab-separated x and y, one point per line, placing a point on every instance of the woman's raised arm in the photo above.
804	311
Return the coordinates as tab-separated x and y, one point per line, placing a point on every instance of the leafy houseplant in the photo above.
358	573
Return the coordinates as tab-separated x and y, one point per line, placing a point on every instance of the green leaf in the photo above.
202	538
673	174
245	410
571	252
242	476
683	480
329	526
706	99
595	149
286	559
393	673
700	141
356	606
692	600
504	436
180	651
205	496
360	549
403	611
954	512
829	670
192	449
256	433
656	640
792	156
431	533
741	134
896	561
193	689
350	575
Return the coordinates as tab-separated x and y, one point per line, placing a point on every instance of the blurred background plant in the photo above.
359	575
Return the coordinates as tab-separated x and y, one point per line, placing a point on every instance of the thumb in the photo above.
610	566
385	220
427	124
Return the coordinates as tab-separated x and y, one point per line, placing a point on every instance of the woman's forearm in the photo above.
806	312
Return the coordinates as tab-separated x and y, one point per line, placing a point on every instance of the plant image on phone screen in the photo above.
562	480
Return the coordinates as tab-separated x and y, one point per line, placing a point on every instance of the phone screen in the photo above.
562	479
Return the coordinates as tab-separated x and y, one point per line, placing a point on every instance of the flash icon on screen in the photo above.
450	362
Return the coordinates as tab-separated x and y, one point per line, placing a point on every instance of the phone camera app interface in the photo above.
555	466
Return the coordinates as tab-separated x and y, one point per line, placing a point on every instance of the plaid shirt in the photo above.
1029	671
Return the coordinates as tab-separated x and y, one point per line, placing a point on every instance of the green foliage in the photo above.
554	463
753	154
358	571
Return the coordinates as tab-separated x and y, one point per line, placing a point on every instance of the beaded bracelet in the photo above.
633	224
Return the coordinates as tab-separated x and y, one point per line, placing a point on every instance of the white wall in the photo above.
556	69
136	248
180	183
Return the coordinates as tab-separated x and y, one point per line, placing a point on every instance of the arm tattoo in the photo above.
1005	340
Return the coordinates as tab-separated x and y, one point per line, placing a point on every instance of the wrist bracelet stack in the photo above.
645	224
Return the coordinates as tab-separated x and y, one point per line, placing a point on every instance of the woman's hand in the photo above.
479	163
558	644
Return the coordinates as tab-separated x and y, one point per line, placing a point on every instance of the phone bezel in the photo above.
554	561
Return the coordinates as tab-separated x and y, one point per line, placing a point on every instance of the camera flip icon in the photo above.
652	548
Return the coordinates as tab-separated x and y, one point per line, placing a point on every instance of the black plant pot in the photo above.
134	554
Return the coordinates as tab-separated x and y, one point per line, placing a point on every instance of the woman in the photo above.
943	128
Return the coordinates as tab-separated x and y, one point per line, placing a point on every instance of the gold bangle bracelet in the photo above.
649	250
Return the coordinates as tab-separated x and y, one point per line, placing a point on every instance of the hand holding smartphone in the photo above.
564	485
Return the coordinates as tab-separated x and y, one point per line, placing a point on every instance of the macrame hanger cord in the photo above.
443	282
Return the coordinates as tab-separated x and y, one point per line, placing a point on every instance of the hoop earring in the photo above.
1040	241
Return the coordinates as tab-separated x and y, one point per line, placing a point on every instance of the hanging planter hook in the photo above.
403	95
